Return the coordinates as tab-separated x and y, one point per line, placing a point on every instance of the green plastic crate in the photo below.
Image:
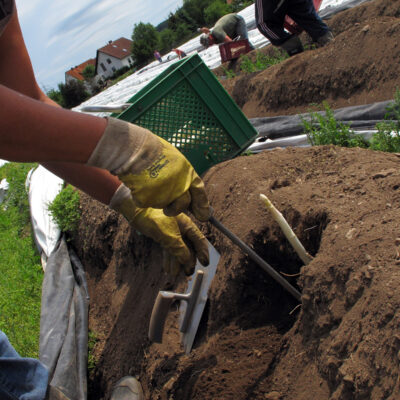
188	107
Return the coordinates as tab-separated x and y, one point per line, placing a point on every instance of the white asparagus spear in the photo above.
287	230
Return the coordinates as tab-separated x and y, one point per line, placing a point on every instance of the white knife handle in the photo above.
159	314
163	303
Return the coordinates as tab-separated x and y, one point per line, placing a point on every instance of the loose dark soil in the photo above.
255	341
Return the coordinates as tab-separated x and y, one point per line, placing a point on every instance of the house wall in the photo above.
107	65
69	78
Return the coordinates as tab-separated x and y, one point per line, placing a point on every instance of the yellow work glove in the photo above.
157	173
169	232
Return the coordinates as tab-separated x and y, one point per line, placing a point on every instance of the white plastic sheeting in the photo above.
3	189
43	187
294	141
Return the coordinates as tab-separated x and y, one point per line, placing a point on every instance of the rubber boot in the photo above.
325	38
293	46
127	388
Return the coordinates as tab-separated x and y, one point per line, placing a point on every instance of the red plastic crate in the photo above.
292	27
232	50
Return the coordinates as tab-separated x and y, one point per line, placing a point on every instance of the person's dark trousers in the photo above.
270	15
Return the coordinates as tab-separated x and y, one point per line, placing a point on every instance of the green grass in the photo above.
21	273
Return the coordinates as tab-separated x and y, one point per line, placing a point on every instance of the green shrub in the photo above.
388	136
324	129
65	209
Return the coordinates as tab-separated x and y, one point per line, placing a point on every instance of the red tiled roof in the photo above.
77	71
119	48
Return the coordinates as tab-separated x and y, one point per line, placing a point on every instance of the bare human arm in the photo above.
34	128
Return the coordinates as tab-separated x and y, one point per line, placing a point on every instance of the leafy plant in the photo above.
324	129
92	340
388	136
72	93
229	73
65	209
215	11
145	40
262	61
89	71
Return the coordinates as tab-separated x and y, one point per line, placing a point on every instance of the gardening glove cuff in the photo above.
180	238
156	173
122	203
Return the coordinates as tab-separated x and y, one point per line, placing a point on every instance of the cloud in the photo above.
65	33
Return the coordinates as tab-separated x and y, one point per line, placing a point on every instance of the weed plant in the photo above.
324	130
65	209
262	61
92	340
388	136
21	272
229	73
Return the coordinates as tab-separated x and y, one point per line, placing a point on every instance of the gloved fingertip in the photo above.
202	213
170	212
179	205
204	260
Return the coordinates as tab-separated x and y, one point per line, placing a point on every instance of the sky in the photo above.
61	34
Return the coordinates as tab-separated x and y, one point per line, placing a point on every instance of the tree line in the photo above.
179	27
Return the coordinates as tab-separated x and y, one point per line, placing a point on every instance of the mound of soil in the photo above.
255	341
359	67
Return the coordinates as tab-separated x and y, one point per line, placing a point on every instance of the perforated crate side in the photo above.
182	107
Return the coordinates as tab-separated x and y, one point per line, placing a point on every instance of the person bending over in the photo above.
229	27
270	16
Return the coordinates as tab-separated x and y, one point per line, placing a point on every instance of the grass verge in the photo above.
21	272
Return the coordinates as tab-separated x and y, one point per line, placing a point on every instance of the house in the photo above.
75	73
114	56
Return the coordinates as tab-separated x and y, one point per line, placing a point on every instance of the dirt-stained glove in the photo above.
157	173
169	232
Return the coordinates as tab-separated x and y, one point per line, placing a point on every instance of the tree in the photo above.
56	96
89	71
182	33
167	40
215	11
145	41
184	17
195	8
73	93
